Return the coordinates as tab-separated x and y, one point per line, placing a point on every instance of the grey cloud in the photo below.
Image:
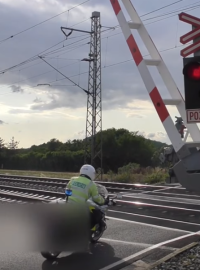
62	99
17	89
37	100
151	135
2	122
121	84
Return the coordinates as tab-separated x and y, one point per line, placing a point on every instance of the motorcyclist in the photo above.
83	188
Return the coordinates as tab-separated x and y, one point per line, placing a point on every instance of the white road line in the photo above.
149	225
164	199
178	194
152	217
158	205
168	188
126	242
133	243
157	190
137	255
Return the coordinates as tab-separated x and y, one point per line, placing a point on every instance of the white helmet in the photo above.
89	171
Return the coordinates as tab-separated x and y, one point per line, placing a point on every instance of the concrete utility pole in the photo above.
93	146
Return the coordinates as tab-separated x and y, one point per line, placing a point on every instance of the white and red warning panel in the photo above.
193	116
192	35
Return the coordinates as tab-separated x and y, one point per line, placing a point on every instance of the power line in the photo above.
61	49
169	13
29	28
33	58
161	8
191	7
181	9
107	66
118	63
65	76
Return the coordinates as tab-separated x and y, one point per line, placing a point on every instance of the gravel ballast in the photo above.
189	259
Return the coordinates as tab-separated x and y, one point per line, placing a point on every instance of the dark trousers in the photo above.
96	217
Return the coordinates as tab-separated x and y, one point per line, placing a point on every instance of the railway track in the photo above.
20	192
58	182
173	206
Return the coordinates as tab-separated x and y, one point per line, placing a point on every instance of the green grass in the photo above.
66	175
144	176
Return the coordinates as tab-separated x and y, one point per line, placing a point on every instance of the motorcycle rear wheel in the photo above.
95	236
50	255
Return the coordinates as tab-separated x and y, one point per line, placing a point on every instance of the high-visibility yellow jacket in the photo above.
83	189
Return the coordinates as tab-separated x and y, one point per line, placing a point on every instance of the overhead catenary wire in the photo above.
49	53
189	7
65	76
29	28
35	57
104	67
118	63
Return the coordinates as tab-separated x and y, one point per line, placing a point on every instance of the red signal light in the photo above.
192	71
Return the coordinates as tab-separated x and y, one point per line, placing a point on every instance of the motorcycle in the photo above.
96	233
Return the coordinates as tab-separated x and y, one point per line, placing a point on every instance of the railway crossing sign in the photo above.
193	116
192	35
191	68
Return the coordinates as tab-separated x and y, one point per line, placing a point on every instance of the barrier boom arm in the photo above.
157	61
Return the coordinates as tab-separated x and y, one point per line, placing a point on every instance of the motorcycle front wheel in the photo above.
50	255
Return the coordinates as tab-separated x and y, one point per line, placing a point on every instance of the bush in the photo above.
133	173
156	177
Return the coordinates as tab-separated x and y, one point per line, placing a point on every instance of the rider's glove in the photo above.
106	201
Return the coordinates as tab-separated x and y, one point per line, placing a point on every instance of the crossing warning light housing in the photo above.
191	73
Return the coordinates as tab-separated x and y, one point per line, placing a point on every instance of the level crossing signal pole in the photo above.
187	169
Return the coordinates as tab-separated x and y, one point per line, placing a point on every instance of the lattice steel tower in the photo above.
93	147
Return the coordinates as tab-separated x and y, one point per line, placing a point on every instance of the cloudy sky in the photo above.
30	28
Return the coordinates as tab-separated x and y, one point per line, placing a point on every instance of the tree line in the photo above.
119	147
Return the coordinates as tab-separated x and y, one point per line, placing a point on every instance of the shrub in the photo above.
156	177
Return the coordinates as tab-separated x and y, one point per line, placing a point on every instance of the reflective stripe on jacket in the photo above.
83	189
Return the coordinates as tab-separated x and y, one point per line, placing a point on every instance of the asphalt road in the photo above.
122	239
139	220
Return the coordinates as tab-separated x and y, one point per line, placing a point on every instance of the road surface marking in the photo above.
134	243
137	255
126	242
171	220
157	205
164	199
149	225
